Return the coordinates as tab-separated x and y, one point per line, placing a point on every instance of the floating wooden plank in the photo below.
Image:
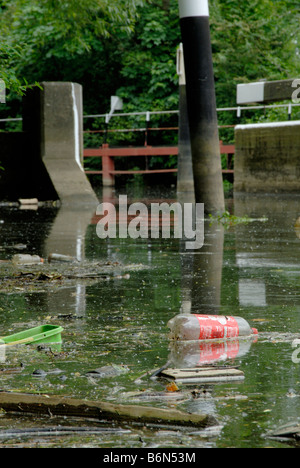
289	431
28	201
204	375
58	431
102	411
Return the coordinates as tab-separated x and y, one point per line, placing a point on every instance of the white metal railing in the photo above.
148	114
132	114
238	111
11	120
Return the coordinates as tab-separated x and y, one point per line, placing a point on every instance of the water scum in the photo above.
124	323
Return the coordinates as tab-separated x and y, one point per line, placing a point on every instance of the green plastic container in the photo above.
41	334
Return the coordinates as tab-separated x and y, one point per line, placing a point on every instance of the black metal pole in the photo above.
201	104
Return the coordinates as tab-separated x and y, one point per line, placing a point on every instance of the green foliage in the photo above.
148	63
128	47
137	40
252	41
63	39
8	56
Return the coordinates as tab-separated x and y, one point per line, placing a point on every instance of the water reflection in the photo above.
252	293
251	270
201	271
68	237
68	232
268	254
202	274
2	353
271	244
24	230
201	285
42	232
193	354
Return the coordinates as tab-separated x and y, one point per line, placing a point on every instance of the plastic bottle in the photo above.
27	259
61	258
208	327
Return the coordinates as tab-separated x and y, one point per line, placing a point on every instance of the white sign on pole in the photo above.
250	93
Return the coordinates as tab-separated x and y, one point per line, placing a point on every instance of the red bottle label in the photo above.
217	327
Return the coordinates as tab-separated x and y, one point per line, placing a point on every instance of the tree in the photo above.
252	41
50	35
129	46
149	58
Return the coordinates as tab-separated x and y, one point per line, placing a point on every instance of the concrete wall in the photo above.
54	115
267	158
45	161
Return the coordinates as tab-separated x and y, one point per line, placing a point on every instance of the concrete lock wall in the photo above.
45	161
267	158
54	113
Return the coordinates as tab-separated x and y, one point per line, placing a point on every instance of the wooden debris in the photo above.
156	396
29	204
11	370
129	414
289	431
28	201
204	374
58	431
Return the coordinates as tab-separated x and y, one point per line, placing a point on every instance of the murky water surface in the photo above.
250	270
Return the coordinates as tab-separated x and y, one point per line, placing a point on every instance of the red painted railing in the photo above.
108	154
